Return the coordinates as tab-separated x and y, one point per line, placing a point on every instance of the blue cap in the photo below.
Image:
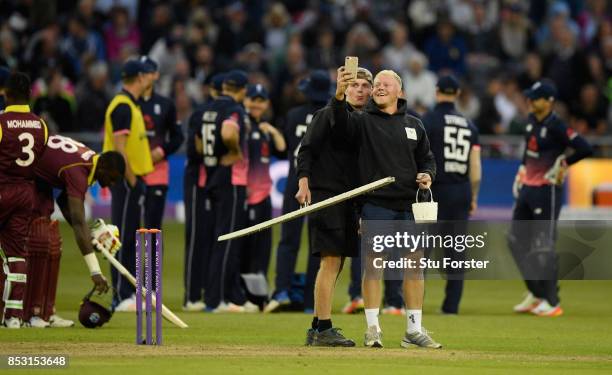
257	91
4	74
543	89
448	84
217	81
237	78
149	64
318	87
132	68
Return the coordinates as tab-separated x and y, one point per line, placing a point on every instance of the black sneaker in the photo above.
310	336
331	337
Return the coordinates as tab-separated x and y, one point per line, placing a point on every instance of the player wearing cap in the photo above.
165	137
221	140
317	90
454	142
328	166
71	167
538	190
197	212
264	141
23	137
125	132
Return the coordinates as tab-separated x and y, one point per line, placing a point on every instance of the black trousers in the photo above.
257	246
454	206
199	238
126	209
229	213
288	247
533	243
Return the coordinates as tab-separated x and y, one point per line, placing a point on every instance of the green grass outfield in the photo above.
485	339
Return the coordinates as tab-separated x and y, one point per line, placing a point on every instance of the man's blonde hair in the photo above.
389	73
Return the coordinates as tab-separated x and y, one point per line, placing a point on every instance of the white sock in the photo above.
414	320
372	318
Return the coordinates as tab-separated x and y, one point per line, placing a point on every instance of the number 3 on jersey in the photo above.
26	149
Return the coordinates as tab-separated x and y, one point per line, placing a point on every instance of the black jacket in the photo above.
389	145
329	164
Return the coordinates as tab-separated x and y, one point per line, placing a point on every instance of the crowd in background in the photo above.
73	50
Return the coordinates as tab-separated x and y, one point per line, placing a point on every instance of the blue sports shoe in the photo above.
280	299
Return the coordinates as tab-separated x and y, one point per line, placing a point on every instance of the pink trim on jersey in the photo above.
258	196
202	177
122	132
160	174
240	171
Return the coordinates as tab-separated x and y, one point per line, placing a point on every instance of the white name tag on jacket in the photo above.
411	133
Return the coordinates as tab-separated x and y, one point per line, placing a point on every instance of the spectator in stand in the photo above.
468	103
86	10
361	42
277	23
588	115
80	46
161	21
516	35
252	58
55	105
203	65
93	96
234	33
325	55
559	17
567	66
591	18
120	34
8	48
446	50
419	83
167	51
42	52
489	119
399	50
532	71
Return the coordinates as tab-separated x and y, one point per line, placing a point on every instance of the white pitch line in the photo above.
309	209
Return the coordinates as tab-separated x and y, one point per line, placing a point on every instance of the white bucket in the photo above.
425	212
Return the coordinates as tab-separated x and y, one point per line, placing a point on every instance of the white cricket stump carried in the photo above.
309	209
425	212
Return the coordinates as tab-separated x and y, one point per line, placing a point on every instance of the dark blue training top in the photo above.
451	138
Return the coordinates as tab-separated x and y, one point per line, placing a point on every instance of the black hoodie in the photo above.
389	145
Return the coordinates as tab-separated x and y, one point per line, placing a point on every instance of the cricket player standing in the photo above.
125	132
198	211
165	137
264	141
391	143
222	141
454	143
23	137
539	192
